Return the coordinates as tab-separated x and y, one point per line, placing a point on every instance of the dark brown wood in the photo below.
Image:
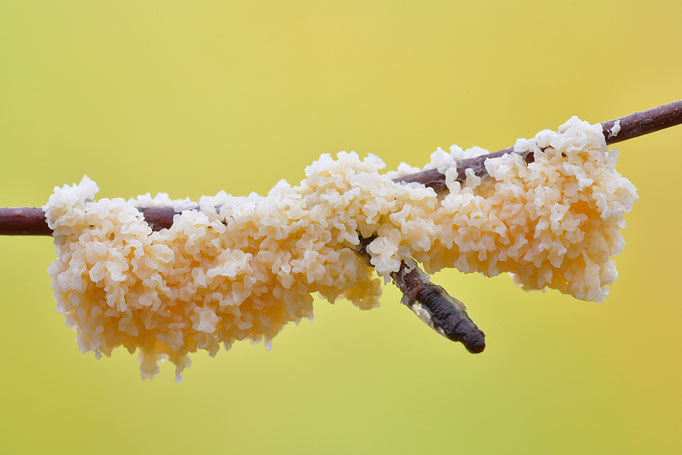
158	217
432	304
645	122
23	221
438	309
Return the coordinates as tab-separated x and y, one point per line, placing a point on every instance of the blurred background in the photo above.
193	97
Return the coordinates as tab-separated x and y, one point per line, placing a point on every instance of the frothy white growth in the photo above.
243	267
613	132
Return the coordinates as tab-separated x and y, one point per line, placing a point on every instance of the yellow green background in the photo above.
193	97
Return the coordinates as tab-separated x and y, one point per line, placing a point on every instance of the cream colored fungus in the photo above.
249	268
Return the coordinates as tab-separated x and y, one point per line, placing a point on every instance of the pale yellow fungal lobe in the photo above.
248	268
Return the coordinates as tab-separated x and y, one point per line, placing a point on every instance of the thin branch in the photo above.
438	309
631	126
432	304
31	220
23	221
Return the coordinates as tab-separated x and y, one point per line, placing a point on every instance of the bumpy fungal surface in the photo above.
243	267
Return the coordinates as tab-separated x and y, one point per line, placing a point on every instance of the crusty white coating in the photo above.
243	267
